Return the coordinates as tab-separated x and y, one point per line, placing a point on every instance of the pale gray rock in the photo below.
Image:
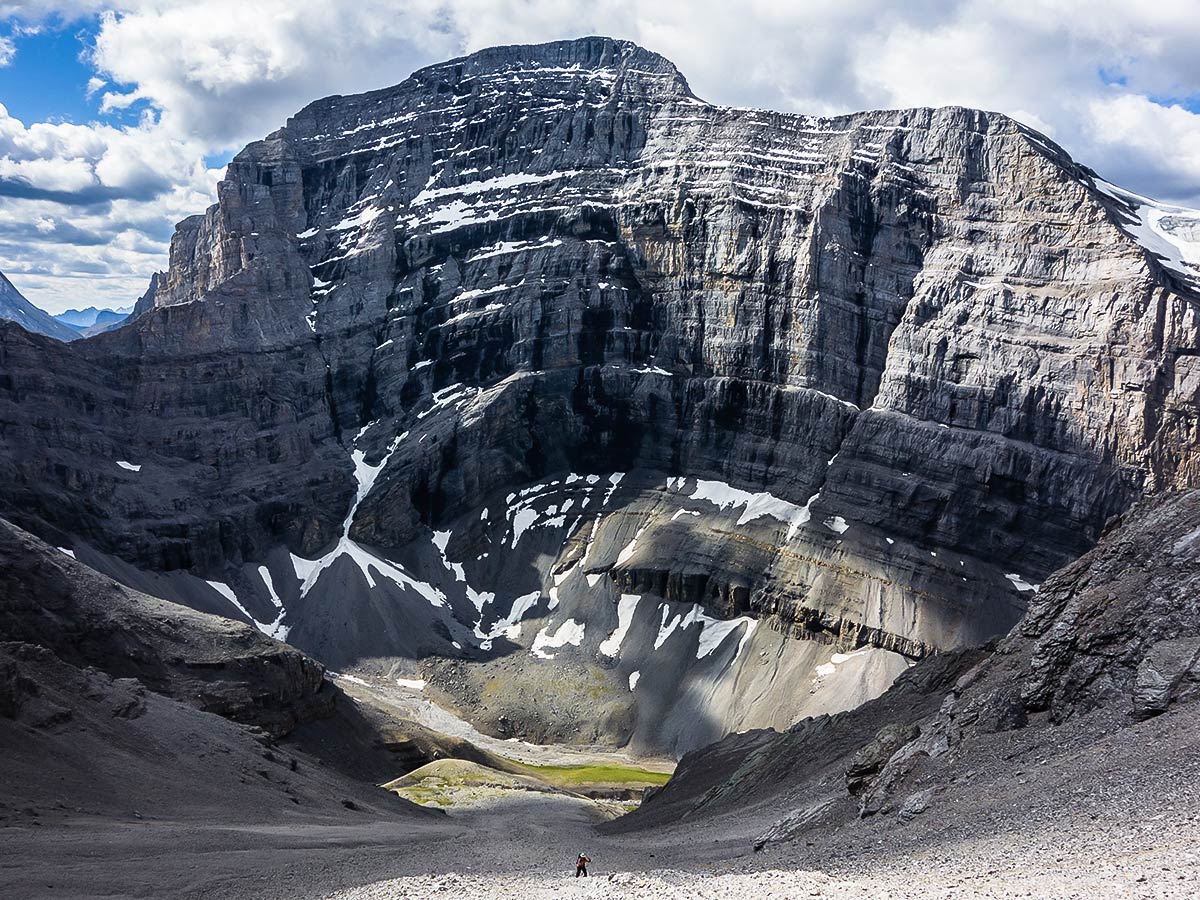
915	805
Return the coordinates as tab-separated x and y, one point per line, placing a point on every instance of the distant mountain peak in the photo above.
14	307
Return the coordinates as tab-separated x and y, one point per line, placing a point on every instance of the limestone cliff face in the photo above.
900	364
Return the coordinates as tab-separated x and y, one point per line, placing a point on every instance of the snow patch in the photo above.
626	607
505	248
824	670
440	540
614	479
124	464
629	549
725	496
569	632
1171	233
371	565
479	599
1021	584
358	220
273	630
836	523
522	520
509	626
713	632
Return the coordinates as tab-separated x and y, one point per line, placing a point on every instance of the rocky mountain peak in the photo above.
15	308
599	57
601	375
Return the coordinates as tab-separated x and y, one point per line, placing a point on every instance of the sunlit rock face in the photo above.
465	364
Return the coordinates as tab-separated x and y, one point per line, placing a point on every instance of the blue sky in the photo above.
49	80
121	116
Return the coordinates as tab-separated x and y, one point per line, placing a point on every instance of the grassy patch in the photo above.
423	796
580	776
456	782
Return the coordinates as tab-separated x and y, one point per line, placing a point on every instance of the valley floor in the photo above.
1094	813
522	847
525	853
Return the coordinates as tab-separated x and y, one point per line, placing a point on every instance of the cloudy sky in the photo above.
117	118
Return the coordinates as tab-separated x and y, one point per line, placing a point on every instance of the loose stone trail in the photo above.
523	847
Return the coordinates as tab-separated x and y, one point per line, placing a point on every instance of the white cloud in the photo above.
86	210
1107	79
235	70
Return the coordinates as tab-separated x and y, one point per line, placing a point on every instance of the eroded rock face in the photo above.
1120	626
1111	641
915	355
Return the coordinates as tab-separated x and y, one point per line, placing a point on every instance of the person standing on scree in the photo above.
581	865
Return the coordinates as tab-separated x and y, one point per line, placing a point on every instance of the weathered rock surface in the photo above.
868	761
902	364
1110	641
1125	609
1169	674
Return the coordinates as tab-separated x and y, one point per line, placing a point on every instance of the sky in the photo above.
116	119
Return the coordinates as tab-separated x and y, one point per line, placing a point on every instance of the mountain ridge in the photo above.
15	308
800	387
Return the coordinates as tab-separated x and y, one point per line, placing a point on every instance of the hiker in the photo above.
581	865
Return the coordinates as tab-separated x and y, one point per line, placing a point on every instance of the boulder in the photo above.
1170	673
871	759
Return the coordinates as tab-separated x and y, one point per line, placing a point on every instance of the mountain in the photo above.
92	320
85	318
620	416
1078	726
78	318
15	308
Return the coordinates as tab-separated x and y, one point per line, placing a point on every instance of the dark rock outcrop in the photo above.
1169	674
1127	609
869	760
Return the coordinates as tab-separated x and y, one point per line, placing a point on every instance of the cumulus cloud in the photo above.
86	210
236	70
1113	81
